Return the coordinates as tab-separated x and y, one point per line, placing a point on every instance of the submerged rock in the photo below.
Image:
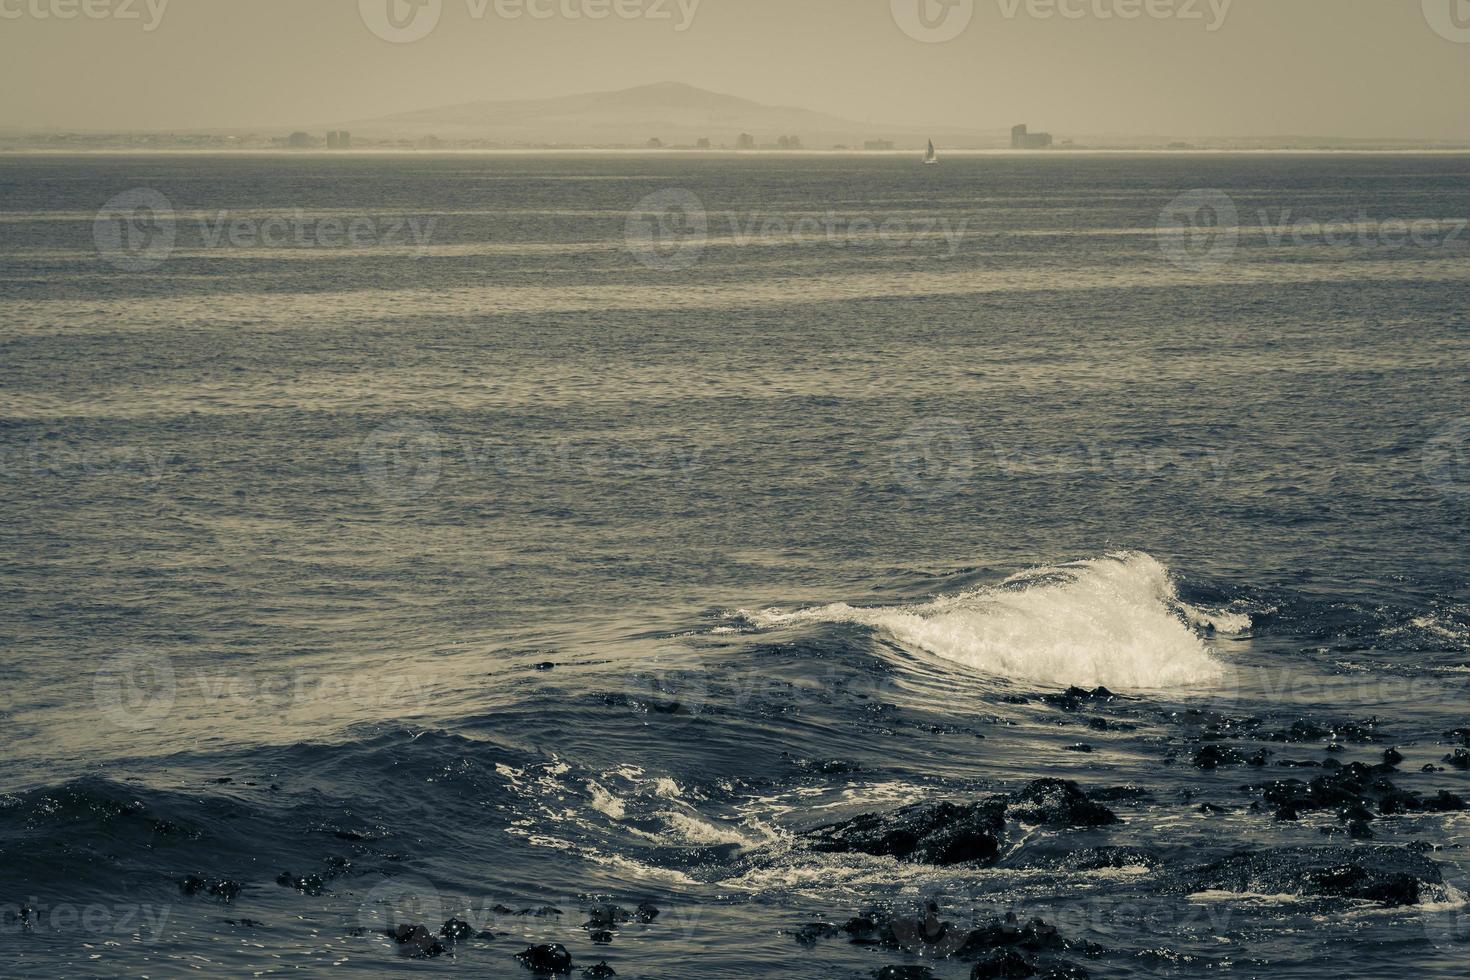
927	833
546	958
418	942
1058	803
223	889
1389	875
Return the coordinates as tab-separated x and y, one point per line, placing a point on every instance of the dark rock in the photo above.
1006	963
1080	747
645	912
1392	757
813	932
418	942
1074	697
1097	858
904	973
598	970
1215	756
1460	758
1098	724
546	958
928	833
305	884
456	930
548	665
1390	875
601	937
607	916
1058	803
221	888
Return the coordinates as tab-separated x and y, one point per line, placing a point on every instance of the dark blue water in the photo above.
459	536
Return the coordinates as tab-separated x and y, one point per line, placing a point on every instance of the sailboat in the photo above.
931	159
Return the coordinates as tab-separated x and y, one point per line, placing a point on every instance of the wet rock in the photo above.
645	912
305	884
1058	803
598	970
1082	747
1075	697
221	888
1460	758
1215	756
601	937
1392	757
547	958
905	973
1390	875
1098	858
1006	963
607	916
418	942
1353	788
927	833
456	930
814	932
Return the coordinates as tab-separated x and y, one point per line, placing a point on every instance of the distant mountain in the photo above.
675	113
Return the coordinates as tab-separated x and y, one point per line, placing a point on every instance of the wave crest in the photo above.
1116	621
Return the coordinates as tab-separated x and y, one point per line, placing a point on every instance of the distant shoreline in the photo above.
731	154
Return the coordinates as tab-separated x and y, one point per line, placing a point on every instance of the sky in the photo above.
1209	68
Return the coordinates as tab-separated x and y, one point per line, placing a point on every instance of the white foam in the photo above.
1115	621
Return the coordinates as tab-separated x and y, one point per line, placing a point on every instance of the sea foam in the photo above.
1116	621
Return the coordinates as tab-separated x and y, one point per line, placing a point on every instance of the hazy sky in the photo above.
1312	67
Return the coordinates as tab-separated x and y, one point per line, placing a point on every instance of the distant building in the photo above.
789	143
878	145
655	144
702	144
299	141
344	140
745	142
333	140
1023	139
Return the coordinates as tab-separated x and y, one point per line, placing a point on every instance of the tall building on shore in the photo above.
1023	139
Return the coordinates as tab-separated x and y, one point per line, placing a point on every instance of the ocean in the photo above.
516	545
